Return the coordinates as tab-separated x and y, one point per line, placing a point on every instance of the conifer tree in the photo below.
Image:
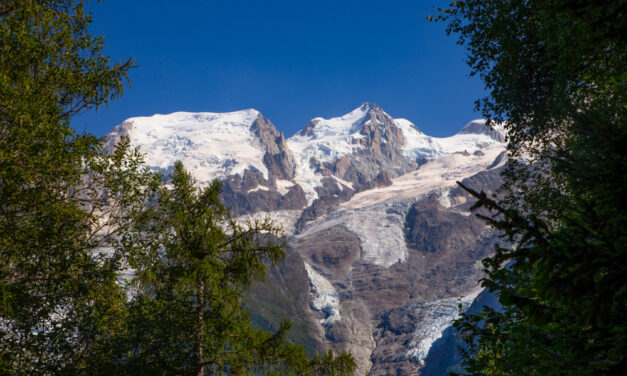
186	316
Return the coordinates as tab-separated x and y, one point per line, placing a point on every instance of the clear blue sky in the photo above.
291	60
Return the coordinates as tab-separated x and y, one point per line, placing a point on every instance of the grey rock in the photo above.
479	127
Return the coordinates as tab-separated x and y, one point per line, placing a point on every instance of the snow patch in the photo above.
341	183
258	188
417	144
444	199
325	297
285	219
283	186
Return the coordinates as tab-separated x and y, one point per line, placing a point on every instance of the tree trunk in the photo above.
200	302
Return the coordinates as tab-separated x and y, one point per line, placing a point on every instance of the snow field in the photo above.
325	297
210	145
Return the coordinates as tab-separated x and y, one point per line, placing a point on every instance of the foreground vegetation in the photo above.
103	269
556	75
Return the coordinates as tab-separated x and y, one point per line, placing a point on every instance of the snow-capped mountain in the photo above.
242	148
374	218
209	144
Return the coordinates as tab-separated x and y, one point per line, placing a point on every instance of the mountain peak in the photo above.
347	124
369	106
478	126
211	144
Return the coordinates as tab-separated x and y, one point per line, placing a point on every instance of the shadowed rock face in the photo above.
431	228
252	194
244	202
277	158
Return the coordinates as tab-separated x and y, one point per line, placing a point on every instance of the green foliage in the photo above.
564	291
74	220
64	206
556	72
186	316
542	60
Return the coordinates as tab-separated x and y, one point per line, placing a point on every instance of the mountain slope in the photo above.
380	238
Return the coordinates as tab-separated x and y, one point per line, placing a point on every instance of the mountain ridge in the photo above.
372	216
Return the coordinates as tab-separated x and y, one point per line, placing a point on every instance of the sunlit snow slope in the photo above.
211	145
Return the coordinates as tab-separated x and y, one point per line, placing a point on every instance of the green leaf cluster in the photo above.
557	72
63	204
563	290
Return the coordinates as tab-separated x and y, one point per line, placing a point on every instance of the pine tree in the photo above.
186	316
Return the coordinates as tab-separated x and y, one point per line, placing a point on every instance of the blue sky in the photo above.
291	60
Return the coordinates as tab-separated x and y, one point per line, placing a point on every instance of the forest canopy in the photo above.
556	76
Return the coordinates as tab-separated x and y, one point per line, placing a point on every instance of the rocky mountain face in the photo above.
381	245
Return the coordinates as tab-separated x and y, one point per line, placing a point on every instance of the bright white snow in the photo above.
325	297
210	145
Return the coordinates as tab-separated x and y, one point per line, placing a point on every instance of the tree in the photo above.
556	72
186	316
64	206
74	220
541	62
564	291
